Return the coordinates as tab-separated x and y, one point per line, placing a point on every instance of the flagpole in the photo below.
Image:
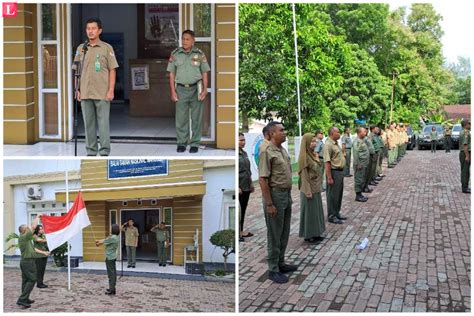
295	38
68	246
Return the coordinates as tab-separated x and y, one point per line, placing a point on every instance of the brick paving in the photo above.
418	224
134	294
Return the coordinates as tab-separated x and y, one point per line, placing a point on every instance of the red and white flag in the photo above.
60	229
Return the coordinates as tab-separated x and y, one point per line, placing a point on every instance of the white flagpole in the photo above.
68	246
297	67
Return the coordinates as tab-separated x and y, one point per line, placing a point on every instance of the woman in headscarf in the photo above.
312	224
39	241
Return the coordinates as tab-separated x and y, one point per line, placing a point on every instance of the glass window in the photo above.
168	216
50	66
50	118
232	217
113	217
48	20
202	19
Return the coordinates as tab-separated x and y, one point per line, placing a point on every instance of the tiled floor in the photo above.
118	150
123	125
148	267
418	260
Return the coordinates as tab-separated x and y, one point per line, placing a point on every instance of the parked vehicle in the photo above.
411	139
424	140
456	131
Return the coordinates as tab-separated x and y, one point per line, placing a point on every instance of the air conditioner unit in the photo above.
34	192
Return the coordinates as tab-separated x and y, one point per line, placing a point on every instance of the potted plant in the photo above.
224	239
59	255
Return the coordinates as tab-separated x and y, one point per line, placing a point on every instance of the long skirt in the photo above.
312	222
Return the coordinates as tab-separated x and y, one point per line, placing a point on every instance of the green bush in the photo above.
224	239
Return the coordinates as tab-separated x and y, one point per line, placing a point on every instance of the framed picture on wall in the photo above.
158	29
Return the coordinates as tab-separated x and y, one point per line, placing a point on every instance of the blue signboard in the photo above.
132	168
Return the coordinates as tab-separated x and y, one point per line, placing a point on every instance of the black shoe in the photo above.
341	217
181	149
319	238
110	292
30	301
241	239
23	304
391	166
466	190
129	266
41	286
164	264
288	268
378	178
335	220
193	149
367	190
361	198
348	176
373	183
91	155
277	277
133	267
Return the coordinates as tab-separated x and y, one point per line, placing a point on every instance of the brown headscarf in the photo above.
307	156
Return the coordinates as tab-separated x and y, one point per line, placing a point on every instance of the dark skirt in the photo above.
312	223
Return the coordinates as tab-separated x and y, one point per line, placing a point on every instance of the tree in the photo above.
224	239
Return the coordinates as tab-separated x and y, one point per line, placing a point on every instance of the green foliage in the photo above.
224	239
12	236
59	254
348	54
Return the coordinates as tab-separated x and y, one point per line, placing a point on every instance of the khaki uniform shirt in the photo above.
370	146
40	245
131	236
95	81
161	235
391	139
25	243
311	179
275	165
333	153
188	67
360	153
111	245
262	147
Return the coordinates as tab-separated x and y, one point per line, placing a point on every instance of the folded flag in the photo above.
60	229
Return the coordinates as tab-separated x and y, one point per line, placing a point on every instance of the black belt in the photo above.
337	169
187	85
280	189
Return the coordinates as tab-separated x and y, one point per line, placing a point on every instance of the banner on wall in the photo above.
132	168
252	143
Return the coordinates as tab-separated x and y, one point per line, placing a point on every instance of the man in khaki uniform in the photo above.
334	162
188	68
162	237
392	146
27	262
275	181
131	242
465	154
399	141
96	89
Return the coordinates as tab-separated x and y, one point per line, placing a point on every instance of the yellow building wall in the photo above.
225	29
19	98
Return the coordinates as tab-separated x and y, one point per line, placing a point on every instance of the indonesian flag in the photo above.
60	229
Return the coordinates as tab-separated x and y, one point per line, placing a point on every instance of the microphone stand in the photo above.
77	88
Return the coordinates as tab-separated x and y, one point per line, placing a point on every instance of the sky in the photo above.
457	25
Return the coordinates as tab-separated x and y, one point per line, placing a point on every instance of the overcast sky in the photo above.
457	25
